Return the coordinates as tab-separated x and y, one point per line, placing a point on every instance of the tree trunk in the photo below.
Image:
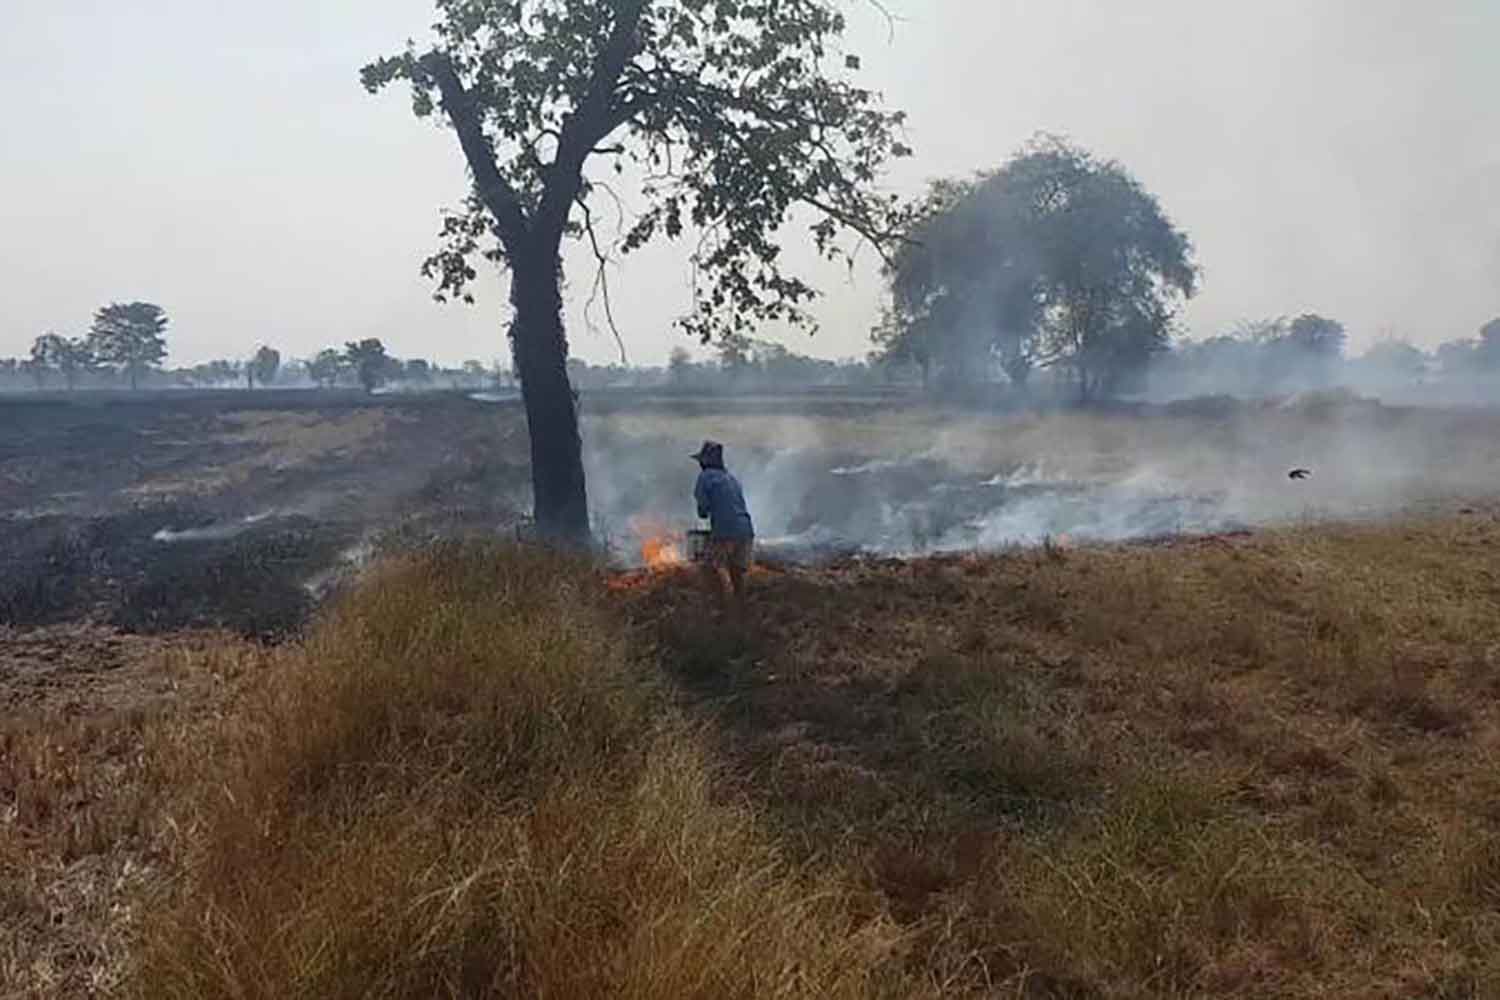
541	352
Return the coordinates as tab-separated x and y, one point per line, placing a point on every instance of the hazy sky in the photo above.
1339	156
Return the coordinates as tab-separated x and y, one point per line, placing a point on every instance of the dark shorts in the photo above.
730	553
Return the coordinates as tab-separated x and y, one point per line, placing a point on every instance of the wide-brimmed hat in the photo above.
710	452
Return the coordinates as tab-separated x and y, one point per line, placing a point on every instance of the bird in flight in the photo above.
1299	474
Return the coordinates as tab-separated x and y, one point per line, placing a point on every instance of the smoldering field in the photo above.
227	510
908	480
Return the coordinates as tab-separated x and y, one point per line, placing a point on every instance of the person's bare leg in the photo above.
739	565
713	581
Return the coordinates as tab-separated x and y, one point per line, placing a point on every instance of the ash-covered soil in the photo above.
233	510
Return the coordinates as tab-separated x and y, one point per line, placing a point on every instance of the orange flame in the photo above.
660	546
660	552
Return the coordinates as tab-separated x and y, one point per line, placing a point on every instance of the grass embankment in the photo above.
461	785
1260	766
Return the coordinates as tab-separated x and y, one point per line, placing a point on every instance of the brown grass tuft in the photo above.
462	786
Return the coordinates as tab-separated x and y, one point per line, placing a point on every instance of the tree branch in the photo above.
491	186
864	227
591	122
601	279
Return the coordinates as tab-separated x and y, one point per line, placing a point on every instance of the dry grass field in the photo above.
1243	764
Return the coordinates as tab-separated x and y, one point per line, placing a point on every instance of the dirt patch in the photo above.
81	837
79	669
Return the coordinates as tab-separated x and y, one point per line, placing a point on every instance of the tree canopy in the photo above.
325	367
1487	347
1055	259
369	362
725	108
69	356
1316	336
1394	356
263	366
130	336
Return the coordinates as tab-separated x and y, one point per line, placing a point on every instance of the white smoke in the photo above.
917	480
212	532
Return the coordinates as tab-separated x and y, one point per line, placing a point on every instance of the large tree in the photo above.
1057	258
130	336
729	111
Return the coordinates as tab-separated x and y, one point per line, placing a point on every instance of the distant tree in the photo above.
369	362
732	115
679	363
474	371
68	356
905	339
326	367
293	372
219	372
1303	351
1456	357
263	366
1056	259
1487	348
1395	356
1261	331
34	370
1316	336
734	354
417	370
43	350
131	337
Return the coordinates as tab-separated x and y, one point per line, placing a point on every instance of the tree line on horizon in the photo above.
127	344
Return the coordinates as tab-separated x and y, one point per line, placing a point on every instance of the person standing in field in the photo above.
731	533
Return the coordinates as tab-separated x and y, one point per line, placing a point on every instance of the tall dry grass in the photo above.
461	785
1241	767
1261	766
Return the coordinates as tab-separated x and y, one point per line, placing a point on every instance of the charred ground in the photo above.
230	510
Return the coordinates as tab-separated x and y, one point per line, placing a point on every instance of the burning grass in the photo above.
1244	766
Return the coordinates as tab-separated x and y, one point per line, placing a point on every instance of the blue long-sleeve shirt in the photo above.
722	501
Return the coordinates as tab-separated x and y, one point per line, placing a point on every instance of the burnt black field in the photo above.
244	510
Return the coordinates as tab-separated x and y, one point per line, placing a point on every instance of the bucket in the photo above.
697	544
